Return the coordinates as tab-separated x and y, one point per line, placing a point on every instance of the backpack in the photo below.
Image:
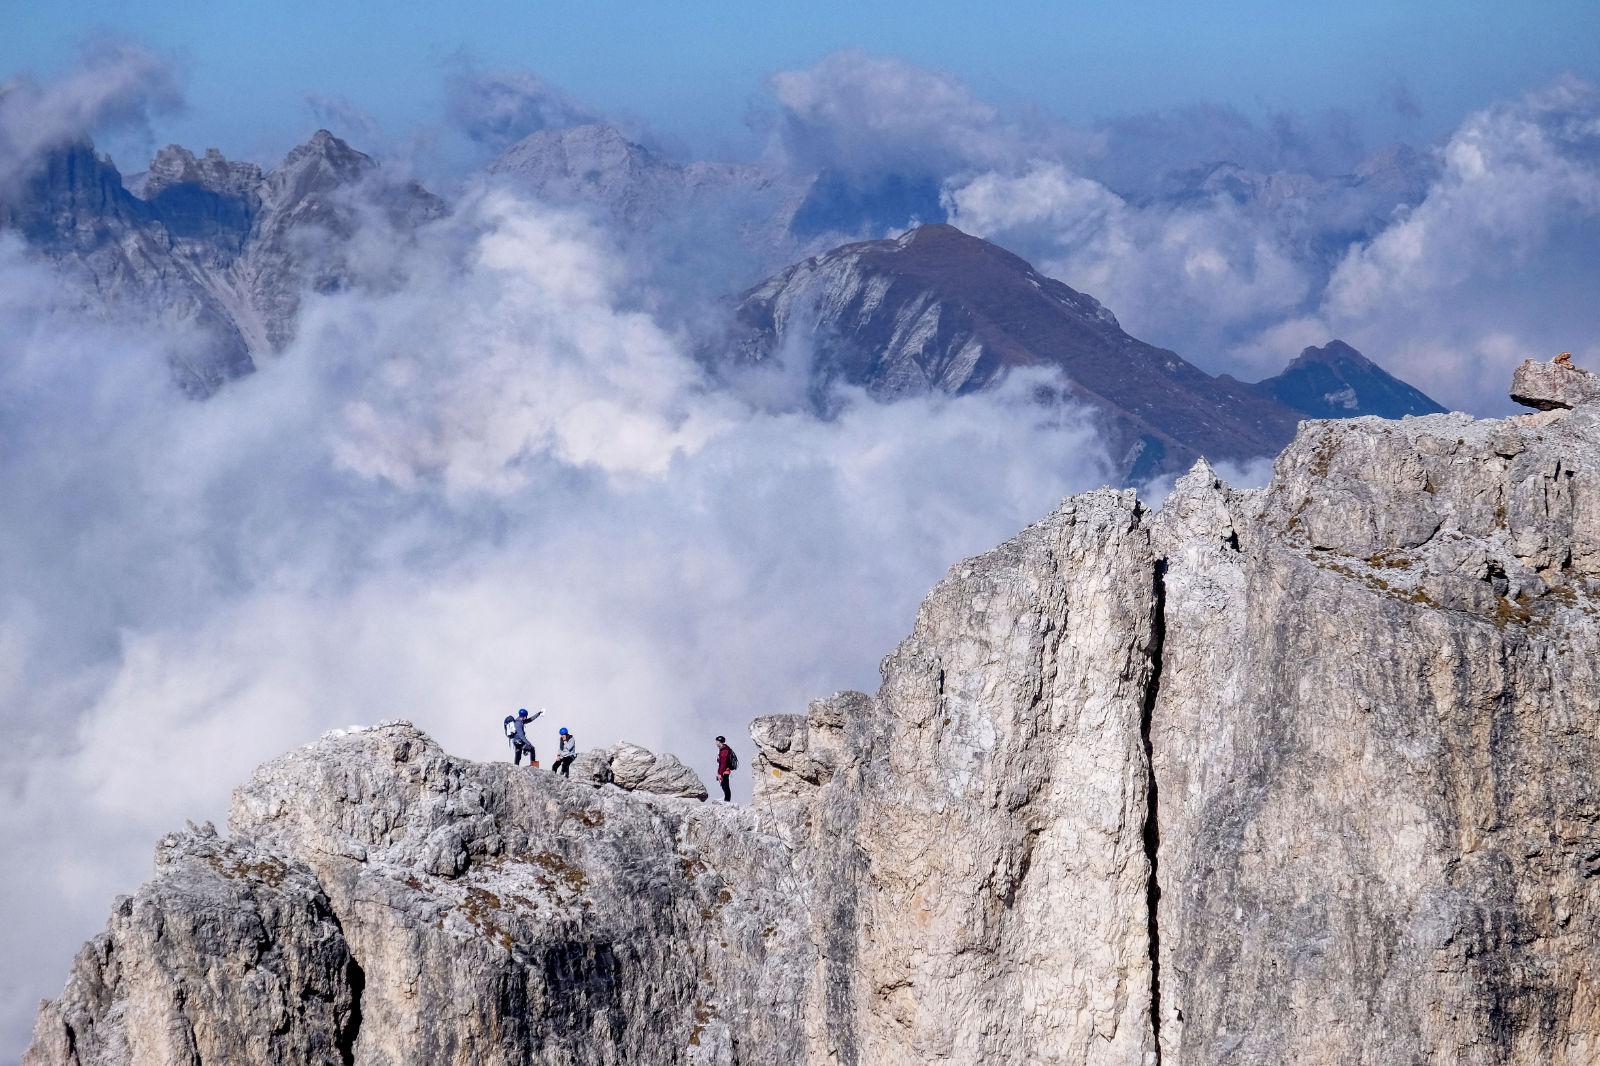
733	759
510	725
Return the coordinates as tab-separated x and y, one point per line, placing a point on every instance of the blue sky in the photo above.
693	70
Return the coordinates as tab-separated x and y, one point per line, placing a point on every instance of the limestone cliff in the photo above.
1302	774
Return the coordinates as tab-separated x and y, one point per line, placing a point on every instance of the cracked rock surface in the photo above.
1302	774
1554	385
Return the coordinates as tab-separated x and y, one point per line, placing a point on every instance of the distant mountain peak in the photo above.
322	163
937	309
328	147
937	233
597	167
209	241
176	165
594	153
1336	381
1335	353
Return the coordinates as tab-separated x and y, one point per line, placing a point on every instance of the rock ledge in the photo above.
1554	385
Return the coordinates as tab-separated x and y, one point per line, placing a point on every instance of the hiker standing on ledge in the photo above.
727	763
515	725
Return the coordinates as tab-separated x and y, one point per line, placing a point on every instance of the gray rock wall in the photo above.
1002	806
1304	774
1376	739
232	954
497	910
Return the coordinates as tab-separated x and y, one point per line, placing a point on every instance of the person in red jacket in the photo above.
724	767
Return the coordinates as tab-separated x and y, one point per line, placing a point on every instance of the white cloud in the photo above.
500	107
1075	209
1511	175
115	84
494	483
1494	264
539	362
1446	270
1170	272
861	113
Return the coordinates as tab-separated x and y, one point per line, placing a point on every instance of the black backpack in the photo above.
510	730
733	759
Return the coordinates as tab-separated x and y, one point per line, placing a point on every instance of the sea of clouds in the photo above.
501	477
495	480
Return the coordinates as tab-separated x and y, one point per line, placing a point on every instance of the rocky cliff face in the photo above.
1301	774
1374	741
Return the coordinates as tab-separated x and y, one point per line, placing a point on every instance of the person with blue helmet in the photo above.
514	726
568	752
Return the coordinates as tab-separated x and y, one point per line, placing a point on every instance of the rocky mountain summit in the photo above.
1299	774
1336	381
939	310
217	247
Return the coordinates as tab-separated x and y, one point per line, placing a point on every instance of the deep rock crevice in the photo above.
351	1031
1152	826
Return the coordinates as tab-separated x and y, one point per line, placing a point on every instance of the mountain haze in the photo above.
225	250
219	248
441	386
596	166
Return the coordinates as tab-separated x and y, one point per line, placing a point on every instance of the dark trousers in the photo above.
518	748
562	763
727	793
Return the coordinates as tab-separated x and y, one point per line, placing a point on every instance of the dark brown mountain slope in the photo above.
940	309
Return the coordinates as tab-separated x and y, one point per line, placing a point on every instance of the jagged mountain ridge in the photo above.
213	244
938	309
1356	204
783	215
1298	774
224	247
595	165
